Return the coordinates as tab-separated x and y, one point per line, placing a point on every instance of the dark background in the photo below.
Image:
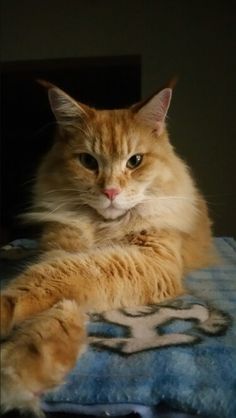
109	54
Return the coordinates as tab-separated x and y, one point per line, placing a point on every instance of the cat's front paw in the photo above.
39	354
18	390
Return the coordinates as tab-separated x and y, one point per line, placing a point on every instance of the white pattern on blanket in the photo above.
146	324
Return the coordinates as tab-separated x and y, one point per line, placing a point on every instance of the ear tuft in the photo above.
153	112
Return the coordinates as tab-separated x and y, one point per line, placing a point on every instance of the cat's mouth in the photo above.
112	211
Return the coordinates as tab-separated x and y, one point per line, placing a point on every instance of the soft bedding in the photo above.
176	356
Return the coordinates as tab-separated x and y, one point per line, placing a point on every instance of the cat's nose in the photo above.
111	193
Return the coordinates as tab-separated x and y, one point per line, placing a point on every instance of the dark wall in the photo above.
195	40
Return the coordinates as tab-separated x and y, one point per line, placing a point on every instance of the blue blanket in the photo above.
181	353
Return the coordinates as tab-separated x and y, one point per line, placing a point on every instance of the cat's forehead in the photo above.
115	133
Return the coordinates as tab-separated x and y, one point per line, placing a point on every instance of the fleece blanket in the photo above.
174	359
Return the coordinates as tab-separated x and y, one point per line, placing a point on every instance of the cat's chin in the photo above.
111	213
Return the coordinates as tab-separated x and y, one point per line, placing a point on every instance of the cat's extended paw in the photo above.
15	395
39	354
18	389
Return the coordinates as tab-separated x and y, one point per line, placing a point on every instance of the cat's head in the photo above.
109	160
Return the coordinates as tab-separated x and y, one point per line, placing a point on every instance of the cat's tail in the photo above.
38	355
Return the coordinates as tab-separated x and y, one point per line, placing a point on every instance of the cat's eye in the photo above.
88	161
134	161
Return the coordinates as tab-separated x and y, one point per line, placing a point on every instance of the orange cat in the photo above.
122	224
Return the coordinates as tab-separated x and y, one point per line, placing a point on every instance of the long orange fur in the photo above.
99	254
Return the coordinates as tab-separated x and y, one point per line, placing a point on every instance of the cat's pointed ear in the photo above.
66	110
64	107
153	112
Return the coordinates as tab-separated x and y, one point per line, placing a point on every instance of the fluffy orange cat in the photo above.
123	222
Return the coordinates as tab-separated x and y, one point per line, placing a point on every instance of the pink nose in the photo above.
111	193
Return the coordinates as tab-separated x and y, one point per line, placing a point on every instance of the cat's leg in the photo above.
146	272
34	291
44	284
39	354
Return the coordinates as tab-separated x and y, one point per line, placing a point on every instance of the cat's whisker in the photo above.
175	197
53	211
187	198
61	190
